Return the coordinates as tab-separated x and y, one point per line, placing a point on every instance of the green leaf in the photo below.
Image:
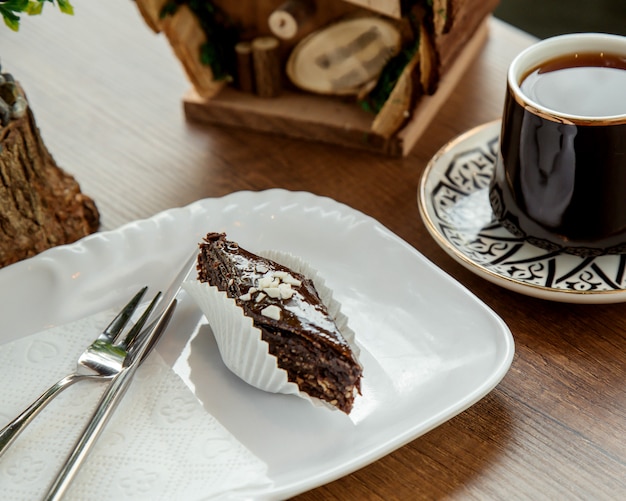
15	5
34	8
66	7
8	11
12	21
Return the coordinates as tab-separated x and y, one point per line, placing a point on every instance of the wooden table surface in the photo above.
107	92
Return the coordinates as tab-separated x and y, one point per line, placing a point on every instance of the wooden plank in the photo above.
391	8
252	16
293	114
465	17
327	119
428	106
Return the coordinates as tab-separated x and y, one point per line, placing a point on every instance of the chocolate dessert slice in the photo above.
287	309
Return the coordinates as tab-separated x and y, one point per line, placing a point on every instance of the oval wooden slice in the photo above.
344	56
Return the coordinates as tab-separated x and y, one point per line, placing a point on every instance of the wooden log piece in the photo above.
245	72
267	68
287	20
41	206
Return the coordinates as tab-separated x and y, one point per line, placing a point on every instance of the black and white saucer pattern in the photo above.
454	204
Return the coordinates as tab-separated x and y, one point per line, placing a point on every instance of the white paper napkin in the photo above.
159	444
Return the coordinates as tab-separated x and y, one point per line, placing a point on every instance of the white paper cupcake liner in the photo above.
239	341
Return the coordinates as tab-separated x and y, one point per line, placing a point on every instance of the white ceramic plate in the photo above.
453	198
430	348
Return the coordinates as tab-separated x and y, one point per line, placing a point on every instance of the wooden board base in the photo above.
328	119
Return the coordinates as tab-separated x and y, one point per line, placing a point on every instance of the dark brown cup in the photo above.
560	179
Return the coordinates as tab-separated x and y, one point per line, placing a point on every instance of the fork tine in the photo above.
122	318
132	334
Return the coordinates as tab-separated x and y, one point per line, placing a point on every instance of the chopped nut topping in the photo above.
280	280
277	285
285	291
273	292
265	282
292	281
272	311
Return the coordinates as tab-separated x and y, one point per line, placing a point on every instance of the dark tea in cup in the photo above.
560	179
590	84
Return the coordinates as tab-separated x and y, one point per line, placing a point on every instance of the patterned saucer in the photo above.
454	203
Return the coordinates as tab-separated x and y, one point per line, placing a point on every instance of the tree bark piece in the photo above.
442	16
41	206
398	107
429	65
151	13
186	37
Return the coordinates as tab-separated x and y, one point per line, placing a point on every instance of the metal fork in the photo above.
102	360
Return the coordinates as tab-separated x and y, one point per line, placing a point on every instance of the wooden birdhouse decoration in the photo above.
368	74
